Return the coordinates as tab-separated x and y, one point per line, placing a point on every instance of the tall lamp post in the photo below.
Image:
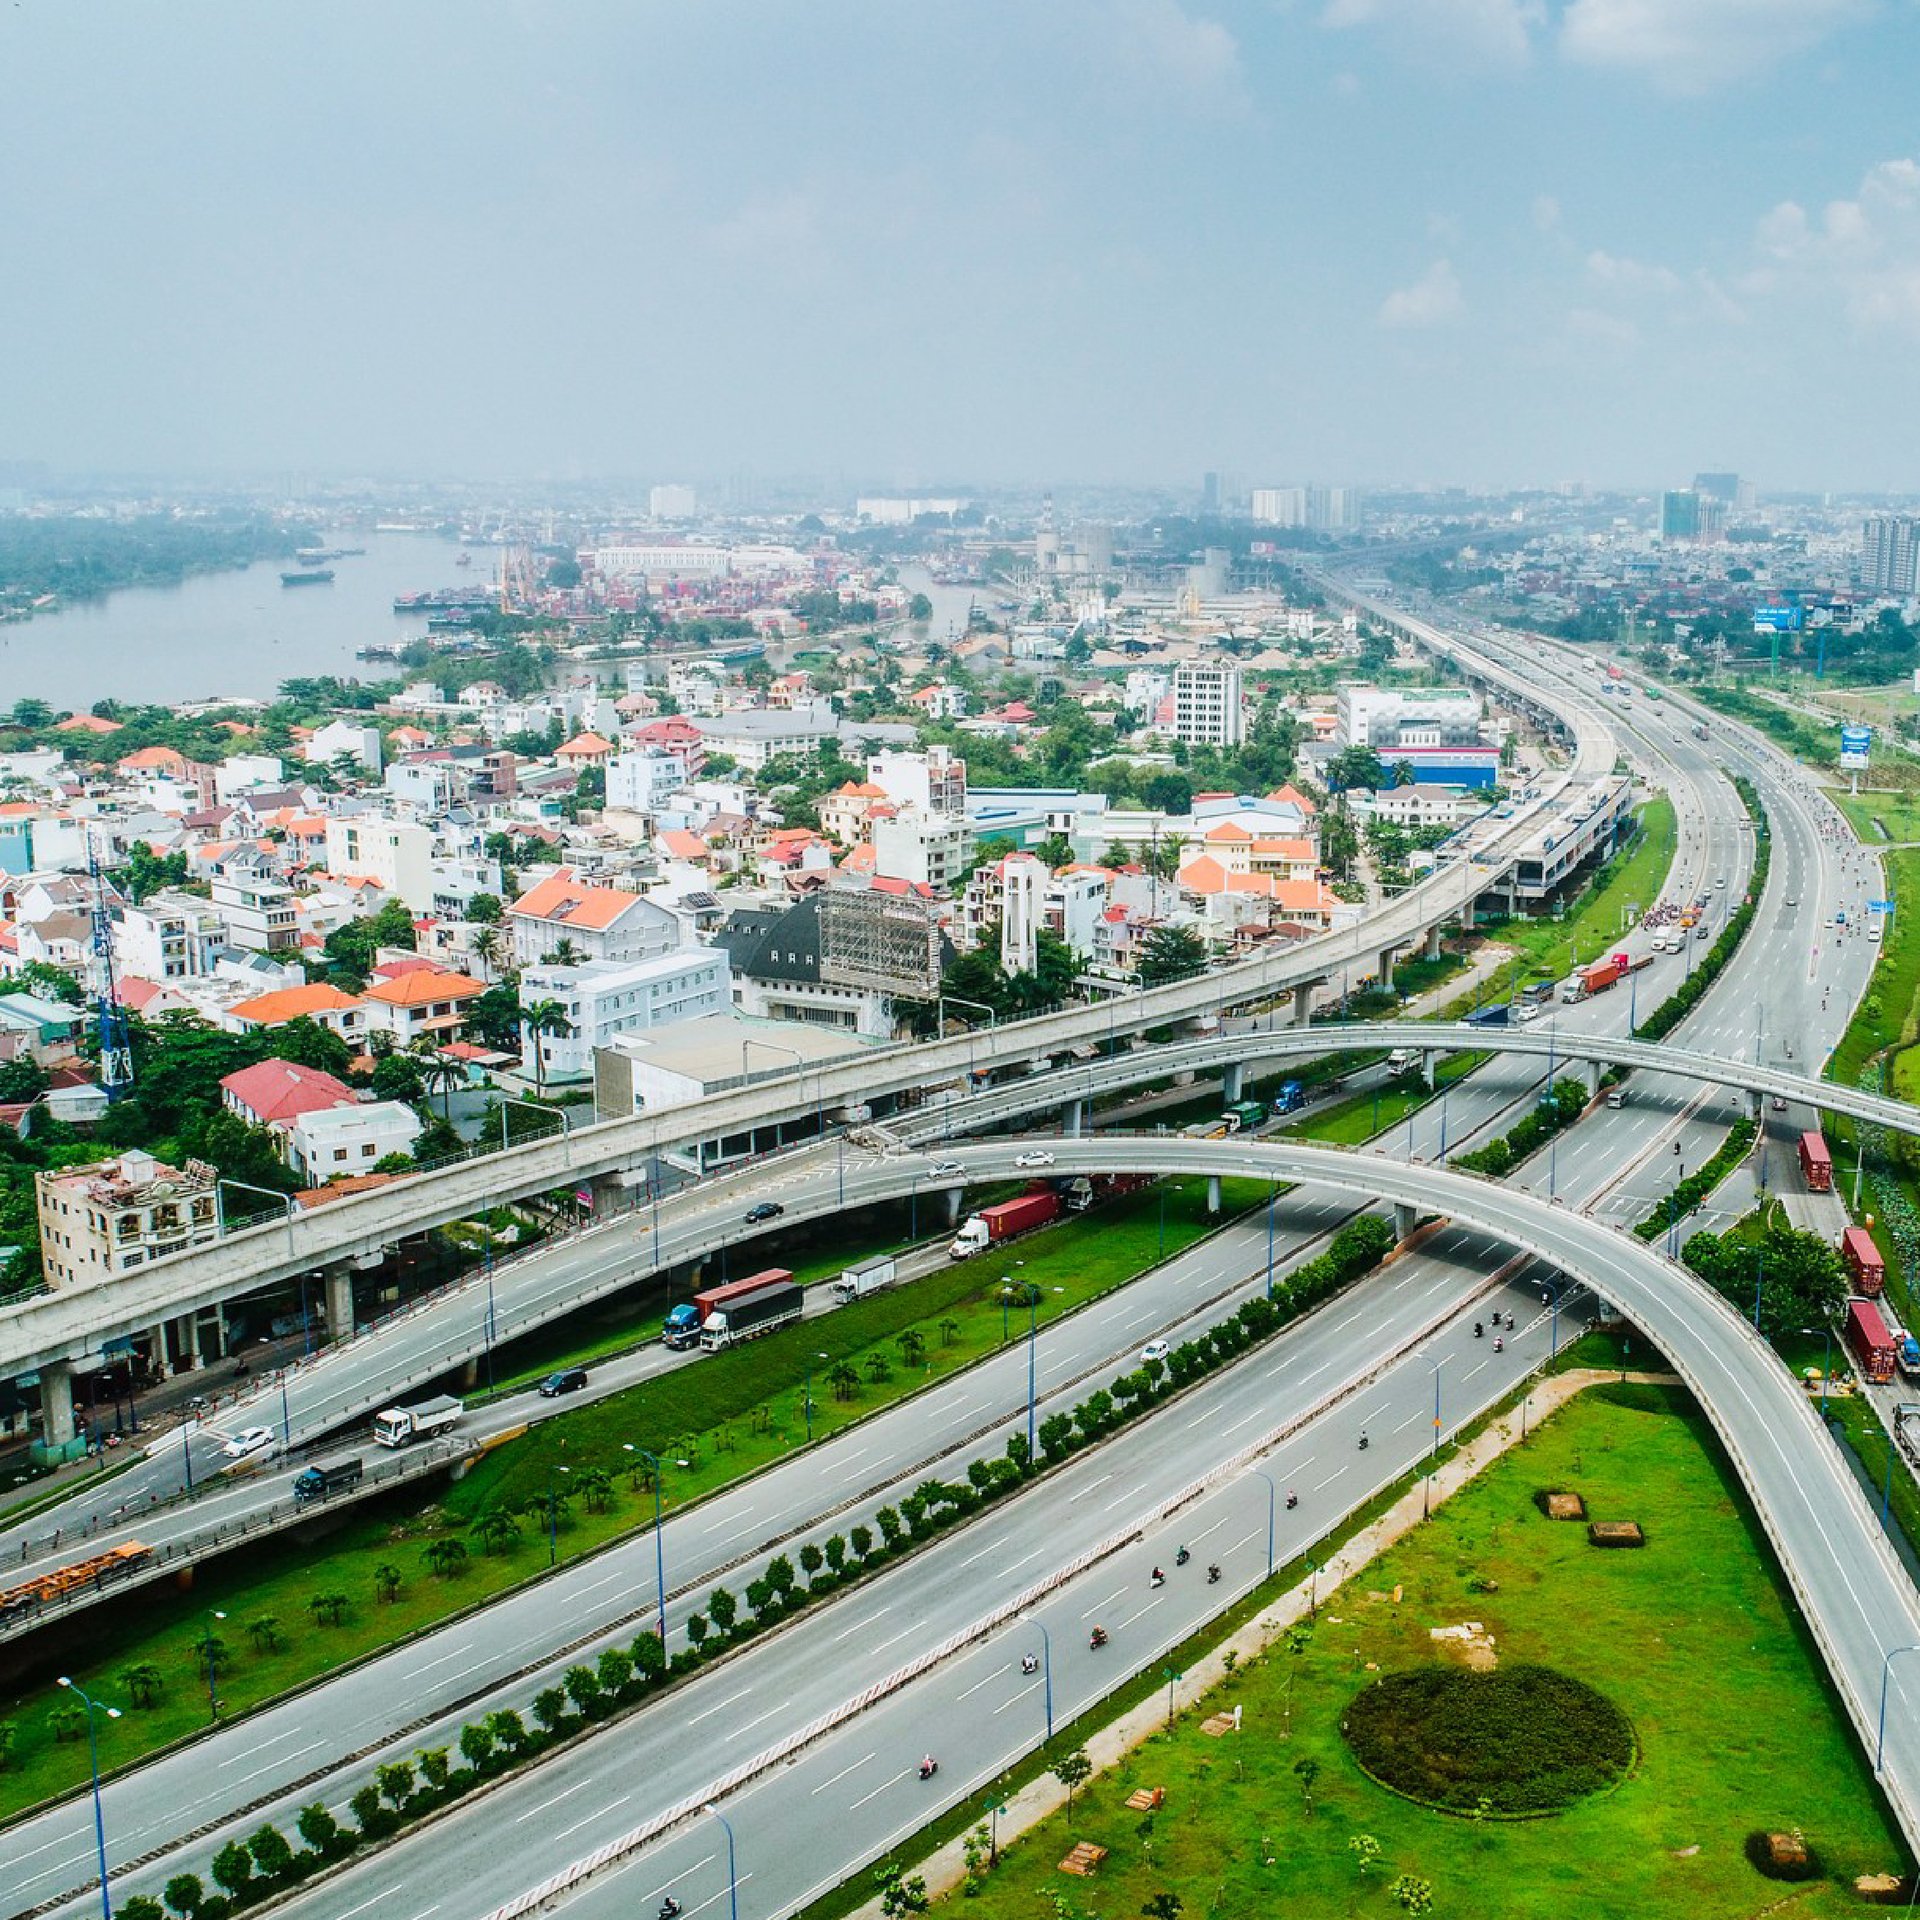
94	1706
1826	1363
807	1391
1046	1663
553	1516
1260	1473
733	1878
659	1545
209	1649
1033	1362
1886	1673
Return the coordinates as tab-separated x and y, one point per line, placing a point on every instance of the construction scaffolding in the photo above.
879	942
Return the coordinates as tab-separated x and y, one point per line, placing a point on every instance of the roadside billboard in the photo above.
1854	742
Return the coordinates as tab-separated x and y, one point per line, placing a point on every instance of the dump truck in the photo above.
991	1225
1869	1341
321	1483
1816	1163
402	1426
1244	1115
869	1277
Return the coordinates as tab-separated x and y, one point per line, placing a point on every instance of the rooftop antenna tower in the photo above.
110	1018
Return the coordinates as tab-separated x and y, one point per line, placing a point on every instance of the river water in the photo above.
232	633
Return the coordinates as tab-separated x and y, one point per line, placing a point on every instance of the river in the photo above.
238	632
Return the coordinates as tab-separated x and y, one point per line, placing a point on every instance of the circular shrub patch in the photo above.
1521	1739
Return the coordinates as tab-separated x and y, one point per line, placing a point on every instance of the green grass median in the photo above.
1692	1636
296	1610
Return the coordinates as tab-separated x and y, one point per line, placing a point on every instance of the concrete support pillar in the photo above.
1233	1082
1593	1078
954	1197
1428	1061
1073	1118
1386	966
1213	1193
1433	941
1403	1219
1303	1004
1754	1106
157	1355
56	1403
470	1375
190	1341
339	1303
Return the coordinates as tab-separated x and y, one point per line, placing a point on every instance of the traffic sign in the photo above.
1879	906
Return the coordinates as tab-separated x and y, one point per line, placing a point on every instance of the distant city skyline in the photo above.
1365	242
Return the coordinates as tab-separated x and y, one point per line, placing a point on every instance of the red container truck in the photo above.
1869	1341
1816	1163
1863	1261
991	1225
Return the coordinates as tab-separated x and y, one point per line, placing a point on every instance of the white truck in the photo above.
402	1426
869	1277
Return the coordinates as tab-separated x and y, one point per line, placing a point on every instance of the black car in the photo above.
766	1210
567	1380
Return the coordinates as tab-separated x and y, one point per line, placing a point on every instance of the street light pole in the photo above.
1046	1663
1259	1473
808	1392
1033	1360
1886	1672
659	1545
93	1761
733	1878
208	1647
1273	1196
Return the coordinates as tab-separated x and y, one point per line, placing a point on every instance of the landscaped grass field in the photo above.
1691	1636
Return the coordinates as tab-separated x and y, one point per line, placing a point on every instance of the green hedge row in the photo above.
1698	1184
1685	997
266	1862
1559	1108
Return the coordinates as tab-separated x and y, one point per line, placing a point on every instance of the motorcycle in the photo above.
1159	1579
1097	1639
1499	1346
1213	1576
929	1767
670	1908
1293	1500
1181	1557
1363	1442
1479	1331
1029	1663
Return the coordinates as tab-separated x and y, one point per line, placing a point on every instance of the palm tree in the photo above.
438	1073
489	949
564	954
1403	773
537	1021
497	1528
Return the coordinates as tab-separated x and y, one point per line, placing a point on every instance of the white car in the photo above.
251	1441
947	1170
1154	1350
1034	1157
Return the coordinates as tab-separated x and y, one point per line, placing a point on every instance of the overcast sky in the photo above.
1374	240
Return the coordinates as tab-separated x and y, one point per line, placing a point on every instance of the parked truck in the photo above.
322	1483
991	1225
869	1277
745	1309
1869	1341
1816	1163
402	1426
1499	1014
1863	1262
1908	1358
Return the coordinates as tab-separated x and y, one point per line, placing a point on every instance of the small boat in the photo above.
307	577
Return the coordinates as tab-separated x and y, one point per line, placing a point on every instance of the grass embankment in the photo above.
726	1416
1551	949
1727	1745
1880	817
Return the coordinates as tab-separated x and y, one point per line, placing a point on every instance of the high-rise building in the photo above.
1890	553
1212	495
1280	506
671	503
1206	703
1680	514
1333	509
1724	487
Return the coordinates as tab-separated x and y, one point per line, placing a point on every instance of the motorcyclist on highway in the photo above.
1029	1662
1293	1499
1479	1332
929	1767
1363	1439
1159	1579
1499	1346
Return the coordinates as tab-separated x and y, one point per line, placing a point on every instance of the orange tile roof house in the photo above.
421	1000
326	1006
585	750
598	923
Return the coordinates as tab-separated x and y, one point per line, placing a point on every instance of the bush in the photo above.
1521	1740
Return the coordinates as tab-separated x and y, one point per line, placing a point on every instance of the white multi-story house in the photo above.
346	736
934	780
333	1143
169	936
397	855
754	738
597	923
606	997
421	1003
929	849
641	782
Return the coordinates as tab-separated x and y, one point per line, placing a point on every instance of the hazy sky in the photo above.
1379	240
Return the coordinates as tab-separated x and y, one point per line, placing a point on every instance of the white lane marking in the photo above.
1232	1545
444	1658
725	1893
1089	1488
719	1706
589	1820
365	1904
1015	1698
1419	1413
1328	1481
859	1625
885	1644
724	1519
268	1766
838	1777
563	1794
1098	1604
292	1733
1238	1424
880	1789
1142	1613
1120	1499
978	1684
1024	1558
746	1726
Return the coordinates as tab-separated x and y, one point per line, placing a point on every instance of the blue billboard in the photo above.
1779	619
1854	742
